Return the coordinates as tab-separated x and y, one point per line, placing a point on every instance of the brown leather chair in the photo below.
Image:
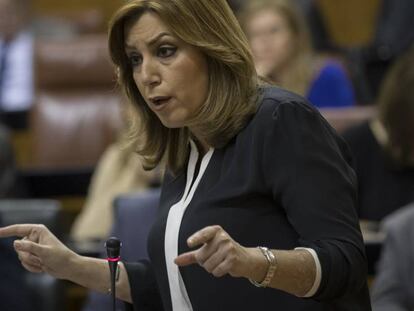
73	63
77	109
72	129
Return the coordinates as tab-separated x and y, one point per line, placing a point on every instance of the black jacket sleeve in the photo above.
144	289
317	189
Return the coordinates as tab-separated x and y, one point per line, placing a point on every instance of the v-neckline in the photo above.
179	296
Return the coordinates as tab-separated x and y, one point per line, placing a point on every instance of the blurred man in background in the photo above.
16	56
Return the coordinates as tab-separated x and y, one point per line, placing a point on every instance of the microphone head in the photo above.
113	247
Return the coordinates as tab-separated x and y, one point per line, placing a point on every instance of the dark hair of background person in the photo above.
396	109
232	78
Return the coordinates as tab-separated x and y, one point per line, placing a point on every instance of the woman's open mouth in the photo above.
160	102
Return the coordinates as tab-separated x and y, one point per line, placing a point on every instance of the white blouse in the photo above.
179	296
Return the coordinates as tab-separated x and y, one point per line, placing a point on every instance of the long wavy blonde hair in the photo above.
299	74
211	27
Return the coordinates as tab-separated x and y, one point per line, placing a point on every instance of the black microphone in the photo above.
113	250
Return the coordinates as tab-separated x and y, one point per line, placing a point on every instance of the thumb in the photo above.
186	259
29	247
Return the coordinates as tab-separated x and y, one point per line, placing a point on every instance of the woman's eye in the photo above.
166	51
135	60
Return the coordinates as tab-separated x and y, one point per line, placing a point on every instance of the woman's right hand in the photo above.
39	250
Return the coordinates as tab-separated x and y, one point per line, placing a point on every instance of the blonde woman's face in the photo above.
271	41
171	75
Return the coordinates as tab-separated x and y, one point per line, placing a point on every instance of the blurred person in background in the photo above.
383	147
283	53
119	171
16	56
393	289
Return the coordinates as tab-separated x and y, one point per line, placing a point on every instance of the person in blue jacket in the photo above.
282	52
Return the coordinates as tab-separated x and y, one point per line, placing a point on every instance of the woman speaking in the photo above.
257	210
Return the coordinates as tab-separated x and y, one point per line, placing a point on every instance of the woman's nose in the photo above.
150	73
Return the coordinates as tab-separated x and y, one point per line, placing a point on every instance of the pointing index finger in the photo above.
20	230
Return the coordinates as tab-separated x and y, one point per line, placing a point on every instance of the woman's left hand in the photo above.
219	254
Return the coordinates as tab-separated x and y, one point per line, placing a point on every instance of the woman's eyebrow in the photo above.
157	38
150	42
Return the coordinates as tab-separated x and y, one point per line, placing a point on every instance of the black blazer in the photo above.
282	182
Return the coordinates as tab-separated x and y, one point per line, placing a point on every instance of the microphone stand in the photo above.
113	248
113	266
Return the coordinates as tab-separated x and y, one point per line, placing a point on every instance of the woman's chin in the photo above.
172	124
